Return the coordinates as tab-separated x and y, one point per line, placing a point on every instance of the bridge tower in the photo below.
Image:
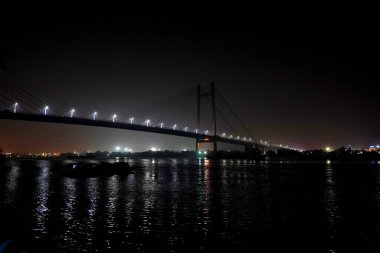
201	95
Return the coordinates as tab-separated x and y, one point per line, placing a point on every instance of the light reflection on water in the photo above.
331	199
92	191
177	205
11	184
41	198
70	224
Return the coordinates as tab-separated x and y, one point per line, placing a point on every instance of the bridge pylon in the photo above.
201	95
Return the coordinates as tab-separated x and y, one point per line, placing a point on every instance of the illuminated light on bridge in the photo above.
113	118
117	148
94	115
161	124
15	107
131	119
224	134
250	139
206	132
174	126
244	138
230	136
238	138
186	128
147	122
196	131
72	113
45	110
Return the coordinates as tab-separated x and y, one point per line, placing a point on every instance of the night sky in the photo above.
303	85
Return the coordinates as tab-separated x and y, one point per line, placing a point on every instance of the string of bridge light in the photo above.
147	123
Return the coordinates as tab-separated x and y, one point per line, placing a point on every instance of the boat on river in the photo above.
88	169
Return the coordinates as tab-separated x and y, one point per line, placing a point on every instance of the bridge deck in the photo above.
119	125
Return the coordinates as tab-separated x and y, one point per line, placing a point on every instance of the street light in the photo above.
94	115
131	120
45	110
113	118
15	107
72	113
147	122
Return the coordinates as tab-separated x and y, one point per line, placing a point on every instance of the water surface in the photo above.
191	205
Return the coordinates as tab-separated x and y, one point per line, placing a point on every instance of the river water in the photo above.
191	205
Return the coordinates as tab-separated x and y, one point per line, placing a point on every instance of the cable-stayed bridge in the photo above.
201	113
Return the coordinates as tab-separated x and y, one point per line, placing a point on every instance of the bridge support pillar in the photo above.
200	94
197	146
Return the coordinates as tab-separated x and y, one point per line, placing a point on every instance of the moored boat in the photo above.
83	169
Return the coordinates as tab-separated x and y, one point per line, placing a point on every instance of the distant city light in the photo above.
205	152
15	107
186	128
117	148
328	162
224	134
147	122
153	149
328	149
125	149
161	124
196	131
174	126
72	112
200	152
206	132
131	120
94	115
45	110
114	117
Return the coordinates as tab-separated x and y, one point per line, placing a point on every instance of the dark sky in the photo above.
306	85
